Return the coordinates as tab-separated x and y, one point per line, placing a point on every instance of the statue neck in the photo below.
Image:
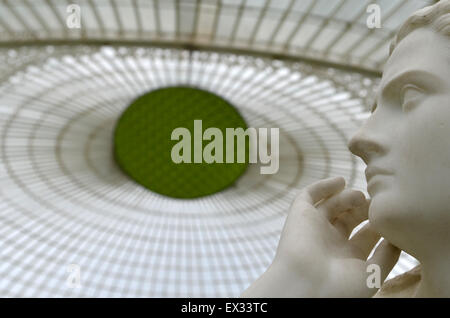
435	278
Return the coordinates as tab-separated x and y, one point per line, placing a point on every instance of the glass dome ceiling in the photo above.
321	30
308	67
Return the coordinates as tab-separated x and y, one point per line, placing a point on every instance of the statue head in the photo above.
406	141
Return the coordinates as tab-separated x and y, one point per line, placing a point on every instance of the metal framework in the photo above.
307	67
324	31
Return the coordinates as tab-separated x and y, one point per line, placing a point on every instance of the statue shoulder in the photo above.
403	285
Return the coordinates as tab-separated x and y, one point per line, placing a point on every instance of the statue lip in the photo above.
373	171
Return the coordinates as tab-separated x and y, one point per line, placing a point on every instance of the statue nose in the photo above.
364	146
354	145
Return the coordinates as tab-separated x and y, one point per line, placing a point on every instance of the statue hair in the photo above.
436	16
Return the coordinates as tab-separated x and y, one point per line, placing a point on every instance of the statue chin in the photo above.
390	218
404	223
380	216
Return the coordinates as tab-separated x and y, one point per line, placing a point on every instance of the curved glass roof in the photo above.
310	68
321	30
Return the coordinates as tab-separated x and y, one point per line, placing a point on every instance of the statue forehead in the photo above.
422	50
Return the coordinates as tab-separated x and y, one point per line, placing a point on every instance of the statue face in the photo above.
406	145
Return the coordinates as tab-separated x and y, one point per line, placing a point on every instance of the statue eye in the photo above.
410	95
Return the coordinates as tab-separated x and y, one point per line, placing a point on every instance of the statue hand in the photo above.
315	257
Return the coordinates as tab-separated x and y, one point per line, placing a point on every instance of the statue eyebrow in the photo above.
420	76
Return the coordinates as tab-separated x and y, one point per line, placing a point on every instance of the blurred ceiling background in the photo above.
310	68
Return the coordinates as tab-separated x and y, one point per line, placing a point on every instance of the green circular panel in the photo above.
143	142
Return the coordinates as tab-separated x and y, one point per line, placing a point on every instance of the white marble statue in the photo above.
406	146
